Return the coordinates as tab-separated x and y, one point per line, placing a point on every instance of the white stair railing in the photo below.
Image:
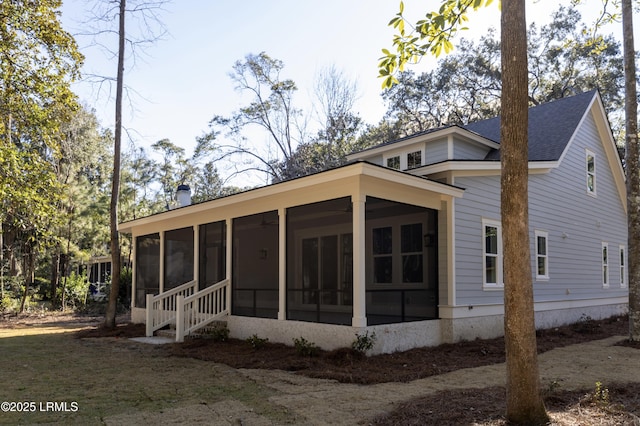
201	308
161	308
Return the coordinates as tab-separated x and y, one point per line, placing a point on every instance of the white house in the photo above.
404	241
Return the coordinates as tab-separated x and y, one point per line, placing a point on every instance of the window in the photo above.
605	265
492	254
623	282
591	173
414	159
411	249
542	257
394	162
382	255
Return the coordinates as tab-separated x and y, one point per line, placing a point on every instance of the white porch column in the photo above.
196	254
134	268
161	280
359	269
227	268
282	264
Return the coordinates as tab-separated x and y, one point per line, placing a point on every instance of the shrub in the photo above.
364	342
219	333
600	395
257	342
305	347
75	290
7	304
586	325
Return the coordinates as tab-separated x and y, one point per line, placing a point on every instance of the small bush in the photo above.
586	325
256	342
7	304
364	342
219	333
305	347
600	395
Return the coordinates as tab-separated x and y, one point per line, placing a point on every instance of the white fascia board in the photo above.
409	179
453	130
470	167
326	177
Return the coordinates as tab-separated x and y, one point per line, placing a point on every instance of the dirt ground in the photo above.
451	384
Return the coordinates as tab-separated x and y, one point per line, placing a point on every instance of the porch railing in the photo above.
161	308
201	308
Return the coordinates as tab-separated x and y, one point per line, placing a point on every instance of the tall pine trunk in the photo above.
524	402
632	162
110	317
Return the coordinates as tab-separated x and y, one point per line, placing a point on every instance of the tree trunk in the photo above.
55	275
29	272
110	317
1	260
524	402
632	163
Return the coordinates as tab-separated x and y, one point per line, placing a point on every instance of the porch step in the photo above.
167	332
208	330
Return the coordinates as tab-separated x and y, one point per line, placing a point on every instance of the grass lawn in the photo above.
104	378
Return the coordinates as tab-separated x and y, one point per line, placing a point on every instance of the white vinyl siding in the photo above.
542	255
591	172
492	254
576	223
605	265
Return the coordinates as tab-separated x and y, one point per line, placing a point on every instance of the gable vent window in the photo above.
591	173
394	162
414	159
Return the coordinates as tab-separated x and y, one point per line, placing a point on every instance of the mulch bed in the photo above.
348	366
487	407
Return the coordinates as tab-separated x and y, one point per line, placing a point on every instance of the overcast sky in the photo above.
182	81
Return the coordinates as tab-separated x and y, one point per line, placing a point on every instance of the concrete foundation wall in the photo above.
404	336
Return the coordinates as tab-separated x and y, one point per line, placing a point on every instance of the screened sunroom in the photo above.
355	246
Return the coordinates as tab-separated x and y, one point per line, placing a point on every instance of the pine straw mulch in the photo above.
478	407
486	407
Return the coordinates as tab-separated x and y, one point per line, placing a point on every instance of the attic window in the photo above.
591	173
394	162
414	159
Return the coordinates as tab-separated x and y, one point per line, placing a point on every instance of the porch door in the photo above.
327	269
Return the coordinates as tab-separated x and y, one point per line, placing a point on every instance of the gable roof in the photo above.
551	127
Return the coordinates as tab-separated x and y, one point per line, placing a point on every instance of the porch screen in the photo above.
401	260
147	268
255	265
178	257
320	262
213	253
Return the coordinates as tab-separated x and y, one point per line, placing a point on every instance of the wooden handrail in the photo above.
201	308
161	308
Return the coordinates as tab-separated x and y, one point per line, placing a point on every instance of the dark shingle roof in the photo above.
551	126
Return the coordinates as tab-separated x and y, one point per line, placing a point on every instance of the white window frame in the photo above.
589	174
623	266
414	152
545	256
386	161
605	256
499	285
